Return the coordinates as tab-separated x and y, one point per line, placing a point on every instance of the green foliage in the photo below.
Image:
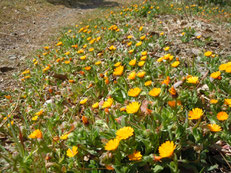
76	97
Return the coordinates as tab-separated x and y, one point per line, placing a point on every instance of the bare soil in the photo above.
26	26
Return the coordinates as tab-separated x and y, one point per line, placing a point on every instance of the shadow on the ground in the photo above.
84	4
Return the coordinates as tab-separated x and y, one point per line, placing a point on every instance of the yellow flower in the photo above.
192	80
67	53
155	92
160	59
83	101
39	112
132	62
139	43
118	71
134	92
117	64
135	156
108	103
129	43
228	69
175	64
67	62
124	133
208	53
130	36
144	53
162	33
34	118
122	109
98	62
195	114
80	51
223	67
46	47
214	127
95	105
112	48
213	101
141	63
215	75
36	134
166	48
83	57
143	58
132	75
132	107
11	123
72	152
222	116
141	28
148	83
112	144
91	49
64	136
167	56
141	74
143	37
25	72
46	68
227	102
167	149
59	43
131	51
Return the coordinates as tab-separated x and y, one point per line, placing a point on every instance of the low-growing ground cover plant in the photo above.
113	95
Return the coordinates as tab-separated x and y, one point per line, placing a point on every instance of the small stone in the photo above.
12	57
195	51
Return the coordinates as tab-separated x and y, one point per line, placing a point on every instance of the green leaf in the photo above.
157	168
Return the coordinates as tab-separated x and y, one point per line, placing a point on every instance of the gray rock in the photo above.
12	57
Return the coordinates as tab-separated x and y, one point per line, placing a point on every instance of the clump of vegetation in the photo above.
113	95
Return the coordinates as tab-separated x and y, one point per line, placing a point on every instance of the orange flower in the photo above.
215	75
112	144
173	103
213	101
155	92
134	92
132	62
166	81
136	156
109	167
172	91
84	119
167	149
214	127
148	83
222	116
88	68
36	134
118	71
141	74
132	75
